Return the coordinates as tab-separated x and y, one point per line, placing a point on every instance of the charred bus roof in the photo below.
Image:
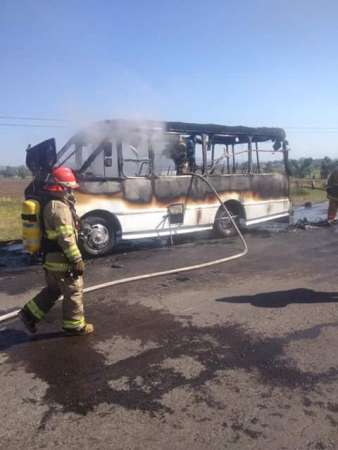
120	130
221	134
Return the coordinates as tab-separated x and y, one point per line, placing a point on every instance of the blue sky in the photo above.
255	63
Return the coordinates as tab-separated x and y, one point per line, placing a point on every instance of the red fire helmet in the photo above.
61	179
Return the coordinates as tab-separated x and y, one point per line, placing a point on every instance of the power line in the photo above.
54	119
45	119
292	129
311	128
30	125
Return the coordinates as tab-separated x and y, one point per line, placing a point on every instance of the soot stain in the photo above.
79	377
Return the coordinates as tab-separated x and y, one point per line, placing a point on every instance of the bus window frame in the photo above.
206	135
249	150
142	161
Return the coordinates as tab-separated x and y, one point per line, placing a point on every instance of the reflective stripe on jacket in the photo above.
60	226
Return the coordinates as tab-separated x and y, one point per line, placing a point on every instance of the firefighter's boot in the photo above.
28	321
87	329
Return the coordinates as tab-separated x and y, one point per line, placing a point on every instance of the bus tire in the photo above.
98	236
223	226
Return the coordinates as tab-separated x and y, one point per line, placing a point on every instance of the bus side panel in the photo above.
269	197
141	203
256	210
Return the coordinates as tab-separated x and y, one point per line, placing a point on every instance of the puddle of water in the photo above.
12	256
316	213
80	377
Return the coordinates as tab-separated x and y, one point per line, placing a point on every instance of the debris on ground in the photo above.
305	224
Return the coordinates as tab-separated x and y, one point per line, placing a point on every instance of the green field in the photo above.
10	224
11	196
299	196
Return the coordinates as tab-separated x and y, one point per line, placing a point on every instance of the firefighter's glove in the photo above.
78	268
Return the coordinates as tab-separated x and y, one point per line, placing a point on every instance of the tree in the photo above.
300	168
23	172
268	167
9	172
326	166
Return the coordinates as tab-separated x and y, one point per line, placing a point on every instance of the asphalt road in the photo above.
239	356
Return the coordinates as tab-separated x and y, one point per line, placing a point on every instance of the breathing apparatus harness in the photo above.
47	184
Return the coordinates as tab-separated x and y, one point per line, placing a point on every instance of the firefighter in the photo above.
191	153
62	260
332	195
179	156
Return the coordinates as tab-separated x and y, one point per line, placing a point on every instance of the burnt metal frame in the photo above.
249	154
250	140
210	135
284	150
121	160
207	145
99	149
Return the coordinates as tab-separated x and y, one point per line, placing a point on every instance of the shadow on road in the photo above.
280	299
12	337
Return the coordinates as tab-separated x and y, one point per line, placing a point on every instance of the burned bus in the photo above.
137	179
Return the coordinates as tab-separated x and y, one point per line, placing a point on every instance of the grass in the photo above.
11	196
300	196
10	223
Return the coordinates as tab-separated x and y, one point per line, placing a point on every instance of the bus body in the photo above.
137	179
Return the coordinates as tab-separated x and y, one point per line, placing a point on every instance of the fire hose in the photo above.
13	314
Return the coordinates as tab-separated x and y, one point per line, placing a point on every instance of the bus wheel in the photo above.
223	226
97	236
